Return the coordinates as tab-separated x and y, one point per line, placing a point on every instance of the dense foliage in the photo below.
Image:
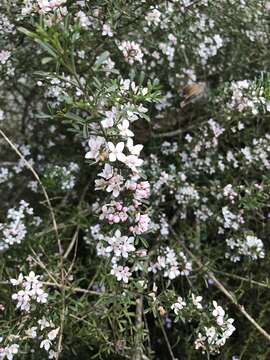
134	179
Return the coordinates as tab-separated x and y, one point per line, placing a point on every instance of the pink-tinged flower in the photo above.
142	225
48	5
116	152
131	51
116	219
141	252
131	185
121	273
124	129
118	206
134	149
114	185
95	143
142	190
120	245
9	351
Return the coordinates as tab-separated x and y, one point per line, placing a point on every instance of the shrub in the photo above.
134	175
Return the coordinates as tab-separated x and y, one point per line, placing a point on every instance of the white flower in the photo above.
127	246
32	278
197	301
134	149
120	245
42	297
32	332
84	20
218	313
53	333
1	115
52	354
107	172
108	122
43	323
18	281
124	129
172	272
116	152
46	344
132	161
153	17
106	30
179	305
10	351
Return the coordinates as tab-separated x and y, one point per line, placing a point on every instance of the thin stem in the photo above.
166	338
60	248
237	277
222	288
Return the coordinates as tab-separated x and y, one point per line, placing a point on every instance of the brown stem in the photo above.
139	324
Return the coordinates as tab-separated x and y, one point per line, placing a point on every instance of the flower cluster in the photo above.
64	177
41	6
131	51
31	291
30	295
14	230
9	351
172	264
247	96
212	338
120	178
249	246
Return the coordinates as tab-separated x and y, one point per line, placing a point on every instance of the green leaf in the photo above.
74	117
26	32
48	48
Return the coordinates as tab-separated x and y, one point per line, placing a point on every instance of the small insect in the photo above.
193	92
103	155
161	310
